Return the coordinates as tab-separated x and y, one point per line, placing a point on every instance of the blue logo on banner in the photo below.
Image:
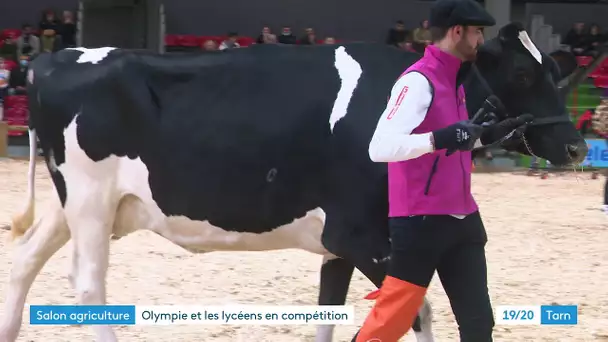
558	314
82	314
598	153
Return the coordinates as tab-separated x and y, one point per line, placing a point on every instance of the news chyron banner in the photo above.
180	315
262	315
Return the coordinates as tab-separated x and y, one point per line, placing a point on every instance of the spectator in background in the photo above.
287	37
49	21
309	37
397	34
593	40
270	39
49	41
264	35
230	43
27	44
16	83
8	48
210	45
422	34
4	79
67	30
329	40
575	38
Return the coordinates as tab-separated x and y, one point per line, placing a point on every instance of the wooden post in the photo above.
3	139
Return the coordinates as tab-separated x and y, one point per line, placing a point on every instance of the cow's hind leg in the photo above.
336	274
372	264
37	246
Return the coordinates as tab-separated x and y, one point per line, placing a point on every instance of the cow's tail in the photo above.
23	220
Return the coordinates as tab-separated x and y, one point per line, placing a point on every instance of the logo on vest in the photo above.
462	136
397	103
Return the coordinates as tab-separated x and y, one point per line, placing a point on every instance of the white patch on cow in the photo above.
52	162
426	323
325	333
328	258
527	43
350	72
30	76
92	55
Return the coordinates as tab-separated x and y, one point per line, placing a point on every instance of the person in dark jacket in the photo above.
397	34
575	38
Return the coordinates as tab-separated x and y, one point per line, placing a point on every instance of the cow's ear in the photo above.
510	32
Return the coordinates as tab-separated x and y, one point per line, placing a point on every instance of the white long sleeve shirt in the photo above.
407	107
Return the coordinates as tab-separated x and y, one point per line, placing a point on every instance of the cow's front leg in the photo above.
91	224
336	274
74	270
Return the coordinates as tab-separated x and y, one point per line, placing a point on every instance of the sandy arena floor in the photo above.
548	243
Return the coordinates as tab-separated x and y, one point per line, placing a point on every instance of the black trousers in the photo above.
455	248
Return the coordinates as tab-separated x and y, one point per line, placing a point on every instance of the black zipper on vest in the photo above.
433	170
464	176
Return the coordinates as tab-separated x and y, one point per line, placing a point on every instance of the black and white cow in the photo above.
251	149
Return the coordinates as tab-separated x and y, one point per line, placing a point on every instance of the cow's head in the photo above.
526	81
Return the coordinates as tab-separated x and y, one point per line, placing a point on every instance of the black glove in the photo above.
499	130
460	136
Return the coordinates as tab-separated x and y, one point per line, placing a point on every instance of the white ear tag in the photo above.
527	43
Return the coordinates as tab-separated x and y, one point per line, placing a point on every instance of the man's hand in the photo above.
499	130
460	136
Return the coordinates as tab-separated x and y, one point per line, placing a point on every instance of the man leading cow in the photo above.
139	141
434	219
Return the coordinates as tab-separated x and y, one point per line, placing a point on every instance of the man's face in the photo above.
425	24
400	27
468	39
27	30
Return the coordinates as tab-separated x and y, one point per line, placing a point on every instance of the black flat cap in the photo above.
448	13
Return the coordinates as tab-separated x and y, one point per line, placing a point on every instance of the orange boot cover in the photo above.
397	305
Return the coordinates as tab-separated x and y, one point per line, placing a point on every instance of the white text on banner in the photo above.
518	314
244	315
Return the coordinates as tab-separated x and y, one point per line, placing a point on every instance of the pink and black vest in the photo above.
434	184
